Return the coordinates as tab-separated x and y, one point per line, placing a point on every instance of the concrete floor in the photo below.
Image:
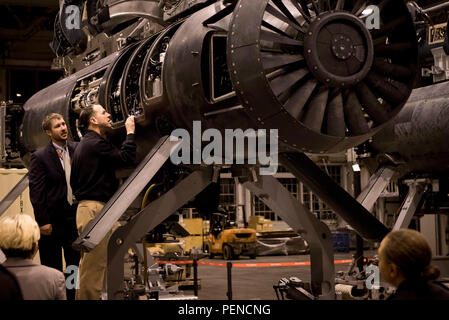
255	283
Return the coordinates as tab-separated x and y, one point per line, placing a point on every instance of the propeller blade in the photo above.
336	117
394	49
270	60
304	11
274	37
316	7
391	70
340	5
393	94
387	28
354	115
295	105
273	28
304	6
372	106
314	116
359	7
284	82
285	11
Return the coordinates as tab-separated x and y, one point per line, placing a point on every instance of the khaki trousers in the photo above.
92	266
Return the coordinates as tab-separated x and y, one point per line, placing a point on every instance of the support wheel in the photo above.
227	252
209	251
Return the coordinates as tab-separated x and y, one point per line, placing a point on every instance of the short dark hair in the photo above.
84	119
46	123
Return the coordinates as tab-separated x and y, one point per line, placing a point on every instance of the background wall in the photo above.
22	205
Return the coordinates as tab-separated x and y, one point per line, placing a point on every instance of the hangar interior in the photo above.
385	183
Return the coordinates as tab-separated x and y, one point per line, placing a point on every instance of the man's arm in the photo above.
126	155
38	195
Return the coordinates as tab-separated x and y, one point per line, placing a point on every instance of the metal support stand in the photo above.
358	257
376	185
13	194
229	273
373	190
316	233
416	189
267	188
147	219
355	212
195	277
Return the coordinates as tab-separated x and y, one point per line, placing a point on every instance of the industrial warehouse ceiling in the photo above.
26	29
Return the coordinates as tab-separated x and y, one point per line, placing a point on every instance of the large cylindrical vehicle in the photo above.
417	139
314	70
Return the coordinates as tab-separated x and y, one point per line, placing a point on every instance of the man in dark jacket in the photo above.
52	198
94	183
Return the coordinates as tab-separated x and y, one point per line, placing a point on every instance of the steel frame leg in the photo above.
315	232
376	185
372	191
408	209
152	215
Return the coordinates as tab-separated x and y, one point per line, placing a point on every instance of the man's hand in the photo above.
46	229
130	125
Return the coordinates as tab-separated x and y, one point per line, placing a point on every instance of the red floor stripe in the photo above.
252	265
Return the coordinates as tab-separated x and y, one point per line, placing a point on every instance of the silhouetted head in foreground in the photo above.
405	255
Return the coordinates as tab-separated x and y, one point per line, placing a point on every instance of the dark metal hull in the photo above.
419	134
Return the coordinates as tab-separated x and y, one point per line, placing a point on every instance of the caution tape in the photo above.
252	265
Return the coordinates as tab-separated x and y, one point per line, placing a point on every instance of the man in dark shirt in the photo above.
52	198
94	182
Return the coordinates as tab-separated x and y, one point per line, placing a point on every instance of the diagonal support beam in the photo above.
408	208
315	232
360	219
376	185
372	191
146	220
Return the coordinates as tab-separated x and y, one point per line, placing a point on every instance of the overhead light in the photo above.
367	12
18	95
356	167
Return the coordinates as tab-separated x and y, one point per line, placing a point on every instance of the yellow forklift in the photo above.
226	239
